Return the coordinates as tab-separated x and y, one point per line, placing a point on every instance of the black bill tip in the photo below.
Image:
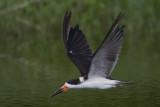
57	92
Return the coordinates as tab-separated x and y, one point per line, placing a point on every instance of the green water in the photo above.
27	83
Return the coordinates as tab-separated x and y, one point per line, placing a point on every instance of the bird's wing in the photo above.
105	58
77	47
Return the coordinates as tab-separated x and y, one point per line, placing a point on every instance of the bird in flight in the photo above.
95	68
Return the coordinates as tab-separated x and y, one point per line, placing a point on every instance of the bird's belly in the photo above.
99	84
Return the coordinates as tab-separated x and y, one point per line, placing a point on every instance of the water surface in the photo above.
30	83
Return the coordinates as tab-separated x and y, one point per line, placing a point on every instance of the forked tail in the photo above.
121	83
126	82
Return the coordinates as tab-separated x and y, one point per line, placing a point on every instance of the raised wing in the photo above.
77	47
105	58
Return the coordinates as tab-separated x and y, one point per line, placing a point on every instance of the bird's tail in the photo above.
121	83
125	82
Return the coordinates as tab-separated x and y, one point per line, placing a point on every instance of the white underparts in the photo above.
100	83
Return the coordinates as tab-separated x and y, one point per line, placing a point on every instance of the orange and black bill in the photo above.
62	89
57	92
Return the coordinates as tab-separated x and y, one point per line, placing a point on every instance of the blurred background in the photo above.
33	61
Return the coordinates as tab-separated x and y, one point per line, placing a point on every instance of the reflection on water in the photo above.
29	83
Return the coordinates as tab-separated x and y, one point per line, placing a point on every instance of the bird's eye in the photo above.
69	82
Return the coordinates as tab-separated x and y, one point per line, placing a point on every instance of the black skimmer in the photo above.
95	68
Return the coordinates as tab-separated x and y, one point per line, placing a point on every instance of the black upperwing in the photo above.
77	47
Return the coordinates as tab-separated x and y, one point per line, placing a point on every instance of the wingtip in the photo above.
122	13
120	16
68	13
67	16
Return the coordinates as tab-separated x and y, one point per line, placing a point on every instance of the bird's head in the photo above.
74	83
